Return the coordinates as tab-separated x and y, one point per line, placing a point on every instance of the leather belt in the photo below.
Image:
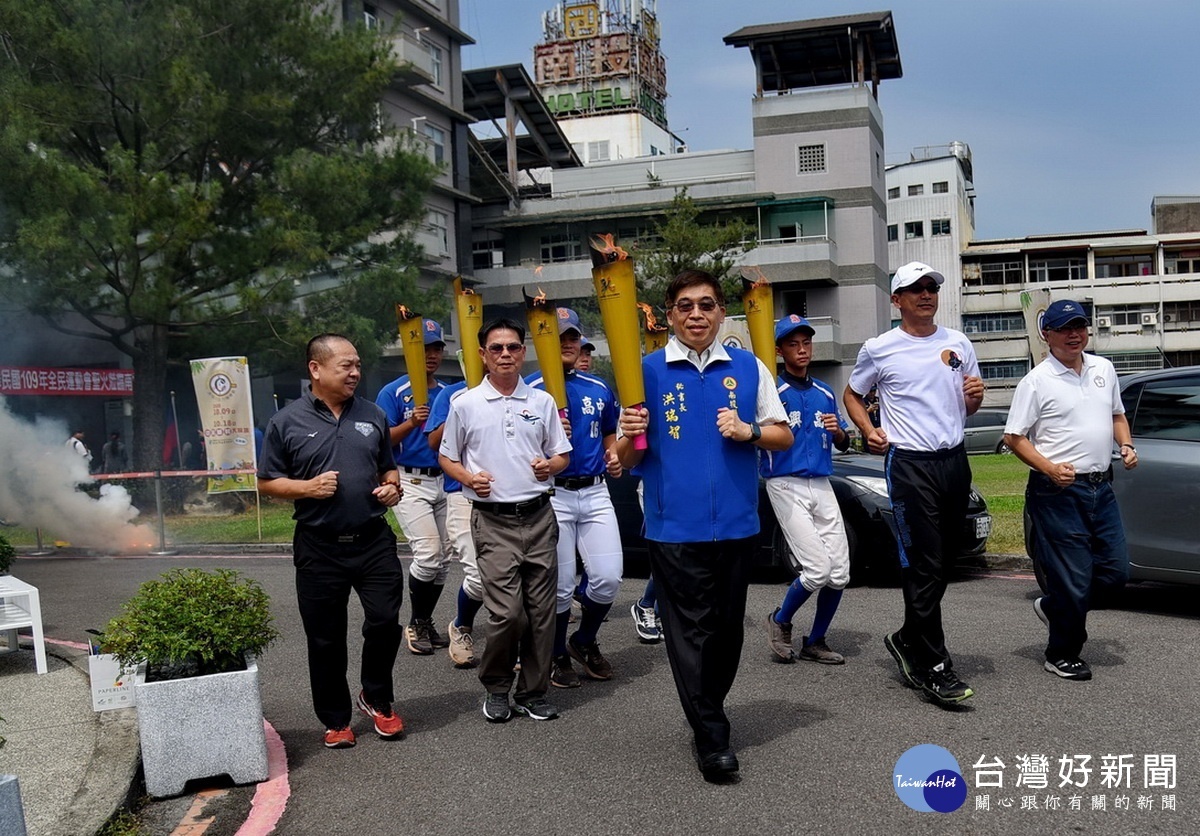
423	471
514	509
574	483
1095	477
361	534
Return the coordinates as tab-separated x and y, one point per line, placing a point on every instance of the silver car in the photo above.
1160	498
984	432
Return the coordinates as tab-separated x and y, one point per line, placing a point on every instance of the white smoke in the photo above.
39	488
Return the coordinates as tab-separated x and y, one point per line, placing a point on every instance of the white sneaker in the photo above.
462	646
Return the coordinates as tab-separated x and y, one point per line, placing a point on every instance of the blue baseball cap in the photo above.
432	332
791	323
586	344
569	320
1061	313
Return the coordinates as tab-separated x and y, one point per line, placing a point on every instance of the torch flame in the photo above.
754	275
651	320
540	299
404	313
604	244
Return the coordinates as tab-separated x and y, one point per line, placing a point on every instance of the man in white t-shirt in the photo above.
1065	416
928	382
504	442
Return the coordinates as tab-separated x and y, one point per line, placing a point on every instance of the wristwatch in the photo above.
755	432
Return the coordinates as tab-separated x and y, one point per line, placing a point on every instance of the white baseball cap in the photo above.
912	273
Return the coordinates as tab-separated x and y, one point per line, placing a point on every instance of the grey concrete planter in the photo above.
201	727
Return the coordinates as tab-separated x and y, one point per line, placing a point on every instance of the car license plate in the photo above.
983	527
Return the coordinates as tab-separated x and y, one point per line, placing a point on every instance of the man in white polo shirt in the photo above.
928	383
504	441
1065	417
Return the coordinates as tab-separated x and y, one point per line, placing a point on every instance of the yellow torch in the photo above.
543	328
412	340
616	290
469	306
655	336
760	315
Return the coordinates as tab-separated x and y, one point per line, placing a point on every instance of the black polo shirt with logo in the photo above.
305	439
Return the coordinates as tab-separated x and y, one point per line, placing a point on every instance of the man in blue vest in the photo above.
797	482
708	410
422	511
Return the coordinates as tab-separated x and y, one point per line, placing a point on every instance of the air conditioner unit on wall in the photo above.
1104	322
1149	319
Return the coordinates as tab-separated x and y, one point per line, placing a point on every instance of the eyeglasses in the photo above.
498	348
932	287
687	305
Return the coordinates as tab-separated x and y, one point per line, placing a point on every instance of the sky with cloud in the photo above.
1077	112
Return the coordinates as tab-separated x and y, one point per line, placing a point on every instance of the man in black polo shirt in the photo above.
330	453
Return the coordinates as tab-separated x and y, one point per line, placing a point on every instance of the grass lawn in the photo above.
1001	480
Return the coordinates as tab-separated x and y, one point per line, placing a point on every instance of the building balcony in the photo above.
416	62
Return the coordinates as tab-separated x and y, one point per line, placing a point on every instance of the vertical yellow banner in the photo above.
227	421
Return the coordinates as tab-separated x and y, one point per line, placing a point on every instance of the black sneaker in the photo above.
1039	608
417	635
589	656
944	686
536	708
495	708
562	674
1076	669
908	672
436	639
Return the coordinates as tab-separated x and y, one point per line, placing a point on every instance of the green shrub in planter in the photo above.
7	552
191	623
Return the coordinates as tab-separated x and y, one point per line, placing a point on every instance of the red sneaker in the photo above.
387	723
339	738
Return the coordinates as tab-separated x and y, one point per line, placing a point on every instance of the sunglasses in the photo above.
687	305
932	287
500	348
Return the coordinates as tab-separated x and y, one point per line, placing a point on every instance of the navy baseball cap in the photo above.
1063	312
568	320
792	323
432	332
587	345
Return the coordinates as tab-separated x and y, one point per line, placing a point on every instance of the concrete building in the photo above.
812	187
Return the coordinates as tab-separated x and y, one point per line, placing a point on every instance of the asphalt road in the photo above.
818	745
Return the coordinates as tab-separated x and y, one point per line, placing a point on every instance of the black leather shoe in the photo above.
719	767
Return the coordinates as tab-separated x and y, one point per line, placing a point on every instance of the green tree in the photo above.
173	168
681	241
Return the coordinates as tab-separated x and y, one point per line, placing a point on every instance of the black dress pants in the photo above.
326	571
702	602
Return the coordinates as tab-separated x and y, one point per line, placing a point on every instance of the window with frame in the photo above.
1066	269
437	141
1121	266
598	151
487	255
810	159
991	272
438	224
560	247
914	229
1134	361
1181	262
1126	315
435	61
1003	369
941	187
893	232
916	190
994	323
939	226
893	192
370	16
1181	313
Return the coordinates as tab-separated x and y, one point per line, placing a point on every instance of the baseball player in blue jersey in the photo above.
797	482
422	514
458	532
587	522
